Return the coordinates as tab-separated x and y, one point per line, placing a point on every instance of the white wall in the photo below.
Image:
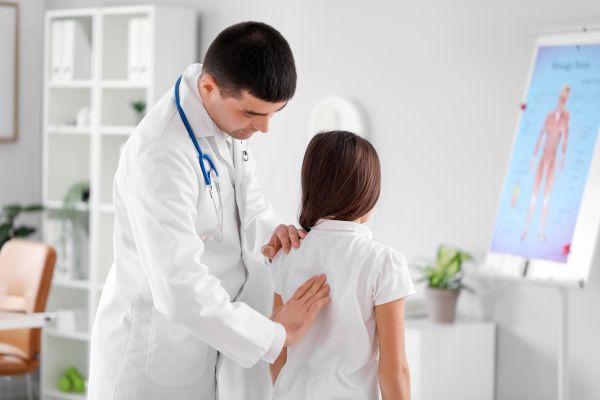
20	162
441	83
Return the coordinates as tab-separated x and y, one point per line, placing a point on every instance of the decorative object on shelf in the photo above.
83	117
336	113
71	381
139	106
444	282
71	320
9	214
9	78
72	248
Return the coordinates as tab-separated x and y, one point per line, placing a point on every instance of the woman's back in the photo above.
338	357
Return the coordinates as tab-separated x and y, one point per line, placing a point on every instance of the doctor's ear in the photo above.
207	85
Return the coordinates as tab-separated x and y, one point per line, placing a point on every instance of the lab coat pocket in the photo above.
176	357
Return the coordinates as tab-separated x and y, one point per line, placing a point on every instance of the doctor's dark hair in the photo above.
341	178
252	56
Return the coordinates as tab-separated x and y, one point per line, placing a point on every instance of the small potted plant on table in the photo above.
444	282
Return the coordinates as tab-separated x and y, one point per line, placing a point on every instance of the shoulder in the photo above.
159	135
159	123
384	260
382	254
391	279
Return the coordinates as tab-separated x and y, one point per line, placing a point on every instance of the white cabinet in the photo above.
451	361
98	61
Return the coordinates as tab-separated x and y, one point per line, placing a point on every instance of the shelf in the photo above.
57	394
66	101
120	11
124	84
69	130
126	47
117	107
117	130
72	335
72	13
59	205
75	84
71	283
98	62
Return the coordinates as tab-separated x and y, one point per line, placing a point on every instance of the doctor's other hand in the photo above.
284	236
298	314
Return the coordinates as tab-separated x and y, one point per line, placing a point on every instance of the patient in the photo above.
338	358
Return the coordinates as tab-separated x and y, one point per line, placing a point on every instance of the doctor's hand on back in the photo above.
284	237
298	314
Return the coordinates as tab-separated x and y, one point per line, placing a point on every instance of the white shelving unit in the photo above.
99	59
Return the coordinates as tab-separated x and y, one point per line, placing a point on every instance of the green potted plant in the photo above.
9	214
444	282
139	106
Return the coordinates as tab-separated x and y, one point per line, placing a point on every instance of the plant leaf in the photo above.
453	266
445	255
5	230
464	256
24	231
467	288
32	208
11	210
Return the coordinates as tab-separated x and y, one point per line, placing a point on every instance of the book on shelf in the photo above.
71	51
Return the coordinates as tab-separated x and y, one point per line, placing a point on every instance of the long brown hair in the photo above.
341	178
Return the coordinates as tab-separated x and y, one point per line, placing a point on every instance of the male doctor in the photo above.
170	317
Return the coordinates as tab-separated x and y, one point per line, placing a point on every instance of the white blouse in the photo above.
337	359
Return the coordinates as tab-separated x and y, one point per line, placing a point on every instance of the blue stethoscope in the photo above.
201	155
213	187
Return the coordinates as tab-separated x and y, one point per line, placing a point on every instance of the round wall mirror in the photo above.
336	113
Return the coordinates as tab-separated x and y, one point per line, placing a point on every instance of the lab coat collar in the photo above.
343	226
191	102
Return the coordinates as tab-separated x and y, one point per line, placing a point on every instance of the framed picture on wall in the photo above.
9	72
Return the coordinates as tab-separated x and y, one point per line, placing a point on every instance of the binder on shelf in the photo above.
71	51
138	59
56	51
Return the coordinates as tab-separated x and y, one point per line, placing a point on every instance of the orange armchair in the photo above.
26	269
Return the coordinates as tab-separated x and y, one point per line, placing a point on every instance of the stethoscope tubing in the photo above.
201	155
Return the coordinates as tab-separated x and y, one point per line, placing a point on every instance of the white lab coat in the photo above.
170	324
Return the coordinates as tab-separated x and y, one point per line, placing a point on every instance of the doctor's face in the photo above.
240	116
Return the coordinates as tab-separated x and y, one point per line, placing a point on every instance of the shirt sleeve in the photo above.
276	268
162	186
392	280
276	345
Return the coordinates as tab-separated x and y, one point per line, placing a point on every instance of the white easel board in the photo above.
549	232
